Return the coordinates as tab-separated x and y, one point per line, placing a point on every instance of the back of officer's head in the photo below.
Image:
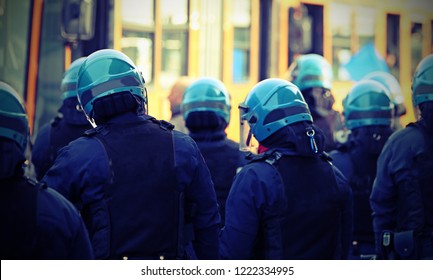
14	131
109	84
422	89
68	86
312	74
368	113
393	86
275	113
206	105
70	109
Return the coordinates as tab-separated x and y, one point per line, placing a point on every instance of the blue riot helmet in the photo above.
368	103
312	74
422	82
393	86
69	80
109	74
269	106
311	71
206	95
13	118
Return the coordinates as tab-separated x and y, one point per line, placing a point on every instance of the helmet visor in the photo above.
246	141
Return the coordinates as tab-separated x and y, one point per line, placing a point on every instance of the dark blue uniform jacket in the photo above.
297	208
127	189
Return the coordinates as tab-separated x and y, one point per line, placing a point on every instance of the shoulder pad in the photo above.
93	131
270	158
163	124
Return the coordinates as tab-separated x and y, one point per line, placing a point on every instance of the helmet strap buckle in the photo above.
310	133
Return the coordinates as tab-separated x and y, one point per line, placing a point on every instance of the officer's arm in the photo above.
239	235
194	175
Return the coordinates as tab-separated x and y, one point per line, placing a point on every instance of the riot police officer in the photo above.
69	124
288	202
206	109
37	222
368	113
312	74
143	190
402	193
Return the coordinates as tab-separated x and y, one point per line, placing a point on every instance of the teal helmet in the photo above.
422	82
393	86
13	119
311	71
367	103
69	80
108	72
206	95
269	106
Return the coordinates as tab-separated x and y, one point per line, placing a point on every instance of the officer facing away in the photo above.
37	222
206	109
402	194
143	190
397	98
312	74
368	113
288	202
69	124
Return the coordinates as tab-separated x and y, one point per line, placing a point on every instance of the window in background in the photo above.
242	40
341	16
13	51
138	34
365	24
175	19
393	44
415	45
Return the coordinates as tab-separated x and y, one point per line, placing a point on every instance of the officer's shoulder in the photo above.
183	141
410	135
52	198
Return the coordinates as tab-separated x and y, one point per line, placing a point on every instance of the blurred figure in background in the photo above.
288	202
206	109
402	194
312	74
37	222
69	124
175	98
393	86
144	190
368	113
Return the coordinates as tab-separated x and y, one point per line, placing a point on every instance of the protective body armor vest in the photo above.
360	170
144	203
311	220
422	177
18	203
222	156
